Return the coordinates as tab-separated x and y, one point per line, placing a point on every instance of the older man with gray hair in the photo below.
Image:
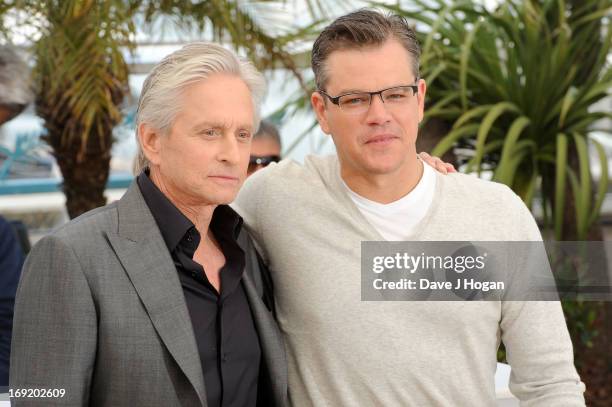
158	299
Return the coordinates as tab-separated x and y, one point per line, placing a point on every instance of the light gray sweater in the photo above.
346	352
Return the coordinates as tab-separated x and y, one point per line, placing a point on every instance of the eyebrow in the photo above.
218	125
344	92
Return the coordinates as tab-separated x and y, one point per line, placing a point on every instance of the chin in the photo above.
226	199
221	199
381	168
220	195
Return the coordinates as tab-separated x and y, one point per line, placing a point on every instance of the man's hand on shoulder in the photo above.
437	163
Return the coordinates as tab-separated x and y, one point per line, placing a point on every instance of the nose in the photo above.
377	111
228	150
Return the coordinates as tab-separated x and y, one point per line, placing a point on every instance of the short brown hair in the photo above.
358	29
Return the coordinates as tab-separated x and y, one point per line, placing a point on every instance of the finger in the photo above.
441	167
426	157
450	167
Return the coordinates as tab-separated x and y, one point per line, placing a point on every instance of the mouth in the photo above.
226	179
380	139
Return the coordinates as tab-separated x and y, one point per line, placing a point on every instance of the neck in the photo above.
385	188
199	214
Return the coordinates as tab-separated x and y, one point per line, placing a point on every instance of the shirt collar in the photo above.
173	224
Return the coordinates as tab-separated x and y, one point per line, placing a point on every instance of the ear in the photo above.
150	140
421	98
318	105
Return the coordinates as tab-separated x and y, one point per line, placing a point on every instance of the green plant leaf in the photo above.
471	114
451	138
584	192
568	100
560	172
465	54
604	181
485	127
502	171
593	16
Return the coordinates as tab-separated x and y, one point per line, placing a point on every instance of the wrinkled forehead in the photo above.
222	101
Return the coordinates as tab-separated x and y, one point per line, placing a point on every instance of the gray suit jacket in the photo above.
100	312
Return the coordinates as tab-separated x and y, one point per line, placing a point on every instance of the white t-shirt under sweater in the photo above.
397	220
342	351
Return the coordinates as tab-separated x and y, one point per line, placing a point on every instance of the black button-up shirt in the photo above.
222	321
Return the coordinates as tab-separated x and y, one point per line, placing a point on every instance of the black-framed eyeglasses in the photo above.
359	102
260	161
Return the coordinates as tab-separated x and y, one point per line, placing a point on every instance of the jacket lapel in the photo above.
141	249
270	339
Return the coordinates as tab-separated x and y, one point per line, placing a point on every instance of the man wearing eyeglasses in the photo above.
309	222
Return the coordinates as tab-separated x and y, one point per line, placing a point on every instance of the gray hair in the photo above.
193	63
15	82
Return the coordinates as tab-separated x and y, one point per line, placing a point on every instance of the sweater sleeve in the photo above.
537	341
539	351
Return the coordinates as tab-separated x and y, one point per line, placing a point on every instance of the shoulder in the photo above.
477	191
468	182
289	171
490	202
74	250
87	227
286	180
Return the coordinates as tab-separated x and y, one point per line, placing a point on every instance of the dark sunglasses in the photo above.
262	161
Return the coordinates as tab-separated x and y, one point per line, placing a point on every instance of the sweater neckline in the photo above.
364	224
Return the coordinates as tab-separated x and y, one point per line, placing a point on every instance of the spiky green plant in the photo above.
518	87
513	85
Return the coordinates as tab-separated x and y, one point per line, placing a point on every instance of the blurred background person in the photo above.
15	95
265	147
11	260
15	90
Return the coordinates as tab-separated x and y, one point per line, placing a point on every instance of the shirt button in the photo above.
193	274
224	358
189	238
